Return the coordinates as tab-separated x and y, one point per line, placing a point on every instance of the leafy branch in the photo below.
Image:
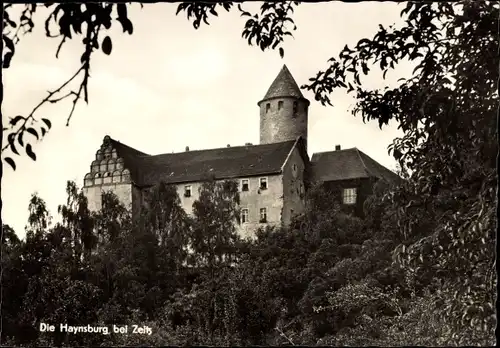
266	30
282	334
30	118
86	20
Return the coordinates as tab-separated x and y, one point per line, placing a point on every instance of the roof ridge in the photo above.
222	162
384	170
221	148
362	162
127	146
290	152
318	153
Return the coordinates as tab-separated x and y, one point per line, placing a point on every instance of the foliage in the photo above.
90	22
445	209
418	270
215	214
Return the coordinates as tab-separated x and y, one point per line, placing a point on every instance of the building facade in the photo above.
272	175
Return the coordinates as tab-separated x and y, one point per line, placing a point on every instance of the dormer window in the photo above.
187	191
280	105
263	183
244	185
268	107
294	108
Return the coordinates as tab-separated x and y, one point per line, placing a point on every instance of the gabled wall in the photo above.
293	186
364	188
108	173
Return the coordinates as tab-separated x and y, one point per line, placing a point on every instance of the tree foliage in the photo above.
419	269
89	23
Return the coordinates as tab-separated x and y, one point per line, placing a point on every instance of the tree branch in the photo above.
44	101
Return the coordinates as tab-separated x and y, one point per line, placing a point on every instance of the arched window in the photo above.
280	105
103	165
268	107
97	179
126	175
94	167
111	165
117	176
294	109
99	155
107	178
108	152
88	180
119	164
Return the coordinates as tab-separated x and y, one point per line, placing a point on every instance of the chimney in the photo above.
228	145
337	147
187	148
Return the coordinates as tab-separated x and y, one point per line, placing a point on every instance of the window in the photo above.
291	212
187	191
280	105
268	107
244	216
263	183
349	196
263	215
294	108
244	185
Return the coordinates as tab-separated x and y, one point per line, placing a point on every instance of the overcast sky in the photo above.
169	86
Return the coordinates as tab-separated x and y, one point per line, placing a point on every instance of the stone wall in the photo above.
122	190
283	124
364	188
254	199
293	186
107	173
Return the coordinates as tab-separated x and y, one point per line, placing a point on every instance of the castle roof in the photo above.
192	166
348	164
284	85
131	157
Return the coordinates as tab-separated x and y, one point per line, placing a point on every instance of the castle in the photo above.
272	176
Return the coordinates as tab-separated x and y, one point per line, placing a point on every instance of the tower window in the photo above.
187	191
268	107
244	215
349	196
263	215
263	183
294	108
280	105
244	185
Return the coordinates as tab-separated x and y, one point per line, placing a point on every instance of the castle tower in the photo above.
283	111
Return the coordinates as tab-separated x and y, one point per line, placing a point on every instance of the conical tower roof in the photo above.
284	85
